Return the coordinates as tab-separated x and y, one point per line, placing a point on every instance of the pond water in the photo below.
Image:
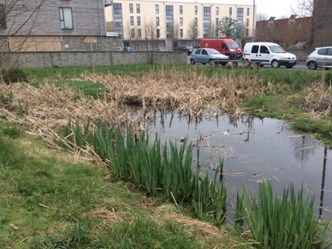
254	150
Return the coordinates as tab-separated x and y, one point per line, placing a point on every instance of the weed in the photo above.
12	131
6	98
14	75
284	222
157	169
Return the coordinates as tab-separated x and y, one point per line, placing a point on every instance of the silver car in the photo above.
321	57
208	56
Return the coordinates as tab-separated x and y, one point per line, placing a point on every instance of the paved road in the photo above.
301	65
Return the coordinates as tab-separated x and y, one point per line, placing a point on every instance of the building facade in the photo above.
289	32
177	22
322	20
53	25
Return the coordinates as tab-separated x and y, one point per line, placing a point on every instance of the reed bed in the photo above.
185	92
286	221
319	101
157	169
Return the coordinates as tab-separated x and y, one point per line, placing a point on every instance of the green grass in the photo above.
50	200
322	129
287	221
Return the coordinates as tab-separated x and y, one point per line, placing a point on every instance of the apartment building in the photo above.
178	22
53	25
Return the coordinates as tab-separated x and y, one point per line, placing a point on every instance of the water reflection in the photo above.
252	150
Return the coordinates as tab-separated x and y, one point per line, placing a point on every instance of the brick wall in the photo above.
322	23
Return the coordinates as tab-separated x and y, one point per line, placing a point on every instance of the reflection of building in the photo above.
322	28
181	21
56	25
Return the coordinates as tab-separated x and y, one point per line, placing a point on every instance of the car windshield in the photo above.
212	51
232	45
277	49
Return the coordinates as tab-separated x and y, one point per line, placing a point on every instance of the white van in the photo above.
268	53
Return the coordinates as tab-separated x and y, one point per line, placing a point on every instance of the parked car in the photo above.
225	46
187	49
268	53
128	49
208	55
321	57
160	49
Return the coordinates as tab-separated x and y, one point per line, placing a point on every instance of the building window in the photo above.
230	12
181	9
132	33
181	33
132	21
248	11
157	21
196	21
157	8
131	8
181	21
66	18
169	21
217	21
3	23
138	21
117	8
139	33
247	23
196	10
217	11
239	17
158	33
138	8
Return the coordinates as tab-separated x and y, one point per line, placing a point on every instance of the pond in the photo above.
253	150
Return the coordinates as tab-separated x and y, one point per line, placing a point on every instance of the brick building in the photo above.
322	23
308	31
287	32
53	25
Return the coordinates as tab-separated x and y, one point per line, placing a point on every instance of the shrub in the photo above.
14	75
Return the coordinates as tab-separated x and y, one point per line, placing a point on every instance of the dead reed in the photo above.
319	101
188	92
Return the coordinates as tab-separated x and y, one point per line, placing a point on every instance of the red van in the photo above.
225	46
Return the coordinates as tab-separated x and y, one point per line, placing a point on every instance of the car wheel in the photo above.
261	65
211	62
289	66
275	64
192	61
312	65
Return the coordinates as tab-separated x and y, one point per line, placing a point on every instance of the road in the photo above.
301	65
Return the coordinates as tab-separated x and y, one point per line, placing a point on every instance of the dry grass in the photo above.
319	101
184	93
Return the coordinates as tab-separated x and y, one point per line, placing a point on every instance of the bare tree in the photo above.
193	31
149	32
262	17
175	33
18	17
17	20
303	8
